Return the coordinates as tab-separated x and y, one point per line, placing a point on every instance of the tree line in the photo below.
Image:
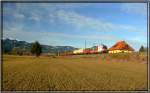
36	49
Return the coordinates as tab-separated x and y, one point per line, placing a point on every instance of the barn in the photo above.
121	47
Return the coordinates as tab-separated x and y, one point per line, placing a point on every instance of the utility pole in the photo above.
85	44
85	47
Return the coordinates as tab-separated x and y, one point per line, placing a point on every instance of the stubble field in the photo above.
97	72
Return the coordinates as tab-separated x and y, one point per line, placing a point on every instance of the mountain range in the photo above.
9	44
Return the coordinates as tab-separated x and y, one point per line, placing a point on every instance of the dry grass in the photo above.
73	73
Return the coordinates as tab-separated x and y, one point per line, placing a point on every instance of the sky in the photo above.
70	24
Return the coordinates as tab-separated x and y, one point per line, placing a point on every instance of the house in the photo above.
121	47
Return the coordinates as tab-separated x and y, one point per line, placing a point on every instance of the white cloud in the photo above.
138	8
34	16
31	10
74	18
54	6
50	38
18	32
87	22
19	15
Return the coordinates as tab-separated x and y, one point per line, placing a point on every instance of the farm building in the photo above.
121	47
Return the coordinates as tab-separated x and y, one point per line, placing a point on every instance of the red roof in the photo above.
121	45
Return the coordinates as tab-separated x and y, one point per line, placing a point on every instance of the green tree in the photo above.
36	48
142	49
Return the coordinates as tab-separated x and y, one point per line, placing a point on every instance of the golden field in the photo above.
77	72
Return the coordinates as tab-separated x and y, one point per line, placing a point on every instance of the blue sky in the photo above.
73	23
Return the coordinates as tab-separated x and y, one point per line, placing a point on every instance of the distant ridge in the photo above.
9	44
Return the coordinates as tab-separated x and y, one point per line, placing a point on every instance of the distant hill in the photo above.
8	45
